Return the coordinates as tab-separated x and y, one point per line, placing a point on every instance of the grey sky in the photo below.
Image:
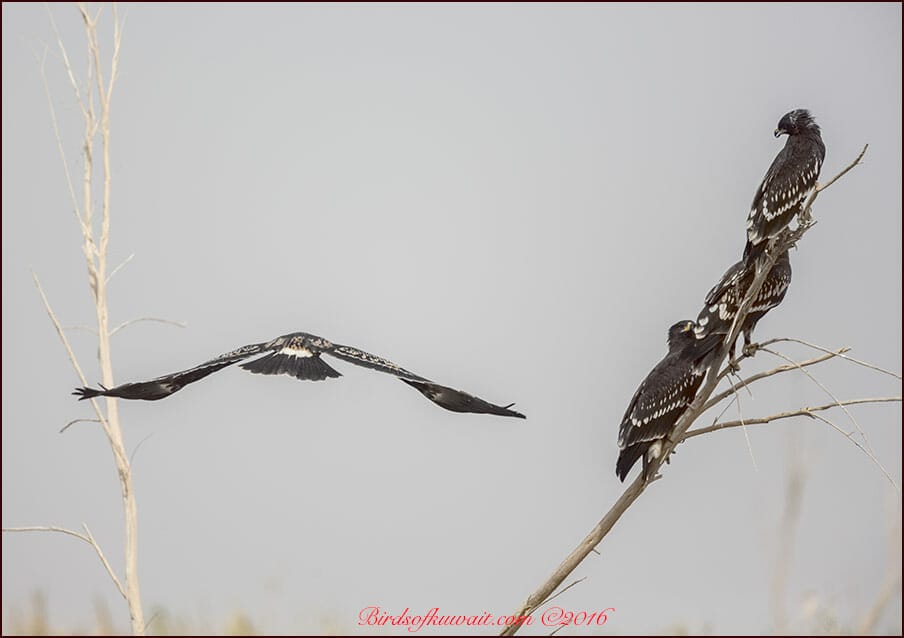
515	200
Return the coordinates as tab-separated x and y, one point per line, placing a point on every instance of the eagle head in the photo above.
795	122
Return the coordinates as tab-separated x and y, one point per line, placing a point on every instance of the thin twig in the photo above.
768	373
123	263
72	358
737	402
74	421
784	415
869	453
865	364
844	171
125	324
828	392
104	561
87	537
59	141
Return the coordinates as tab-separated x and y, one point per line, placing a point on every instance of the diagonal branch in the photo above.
784	241
87	537
784	415
768	373
828	392
837	354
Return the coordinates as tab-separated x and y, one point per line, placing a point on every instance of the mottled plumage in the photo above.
664	395
724	300
788	182
299	355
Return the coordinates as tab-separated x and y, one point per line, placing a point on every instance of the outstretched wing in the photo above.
299	355
372	361
458	401
168	384
443	396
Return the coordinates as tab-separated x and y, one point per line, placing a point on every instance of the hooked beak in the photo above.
778	132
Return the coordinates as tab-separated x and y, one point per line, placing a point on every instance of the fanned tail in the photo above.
306	368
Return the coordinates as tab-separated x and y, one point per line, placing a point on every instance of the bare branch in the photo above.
48	528
844	171
785	415
700	404
536	599
837	354
68	67
768	373
87	537
85	328
103	559
99	95
116	270
828	392
74	421
59	141
869	453
125	324
808	412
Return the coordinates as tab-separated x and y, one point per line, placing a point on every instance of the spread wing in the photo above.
168	384
299	355
458	401
372	361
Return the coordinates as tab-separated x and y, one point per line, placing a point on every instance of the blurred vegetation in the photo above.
813	616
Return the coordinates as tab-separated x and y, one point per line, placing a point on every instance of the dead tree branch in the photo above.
94	102
701	403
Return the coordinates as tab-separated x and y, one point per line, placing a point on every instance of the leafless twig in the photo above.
126	324
94	103
87	537
837	354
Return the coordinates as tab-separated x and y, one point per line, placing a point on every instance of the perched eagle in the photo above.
789	181
724	300
299	355
664	396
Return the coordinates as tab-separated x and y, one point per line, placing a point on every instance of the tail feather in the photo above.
311	368
628	457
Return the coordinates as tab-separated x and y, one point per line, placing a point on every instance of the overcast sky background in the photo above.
515	200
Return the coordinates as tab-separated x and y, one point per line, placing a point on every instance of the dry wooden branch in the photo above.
87	537
701	403
97	119
784	415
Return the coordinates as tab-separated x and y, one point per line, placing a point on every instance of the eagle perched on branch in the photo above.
789	181
724	300
299	355
664	395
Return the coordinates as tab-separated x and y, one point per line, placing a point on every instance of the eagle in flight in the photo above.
299	355
724	300
789	181
664	396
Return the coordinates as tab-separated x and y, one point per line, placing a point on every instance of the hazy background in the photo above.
516	200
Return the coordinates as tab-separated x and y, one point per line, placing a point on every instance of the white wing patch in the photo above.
295	351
